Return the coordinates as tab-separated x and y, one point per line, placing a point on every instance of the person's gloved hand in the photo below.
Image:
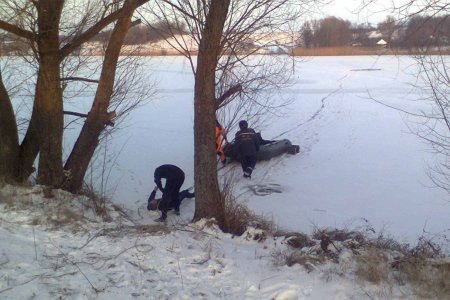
150	199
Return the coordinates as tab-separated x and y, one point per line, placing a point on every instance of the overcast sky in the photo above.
354	11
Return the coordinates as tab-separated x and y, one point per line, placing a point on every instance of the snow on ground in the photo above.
55	248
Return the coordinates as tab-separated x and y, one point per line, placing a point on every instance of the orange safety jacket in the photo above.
220	135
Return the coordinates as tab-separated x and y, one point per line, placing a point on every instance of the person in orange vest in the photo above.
220	137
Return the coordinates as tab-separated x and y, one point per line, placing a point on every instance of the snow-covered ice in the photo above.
359	163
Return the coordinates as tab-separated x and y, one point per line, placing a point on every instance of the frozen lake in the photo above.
358	159
359	163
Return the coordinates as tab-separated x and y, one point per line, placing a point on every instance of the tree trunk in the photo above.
29	148
9	139
98	117
48	101
208	200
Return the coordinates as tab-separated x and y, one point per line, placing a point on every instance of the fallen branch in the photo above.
79	269
23	283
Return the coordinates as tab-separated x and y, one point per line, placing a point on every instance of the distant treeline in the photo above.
417	31
142	34
331	32
138	34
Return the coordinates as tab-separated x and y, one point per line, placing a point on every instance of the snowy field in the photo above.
359	164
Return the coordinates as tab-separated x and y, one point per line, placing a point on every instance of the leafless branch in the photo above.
79	79
94	30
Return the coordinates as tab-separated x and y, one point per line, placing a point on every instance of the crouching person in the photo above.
174	177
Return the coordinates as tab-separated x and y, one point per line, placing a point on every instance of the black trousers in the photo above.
248	163
170	195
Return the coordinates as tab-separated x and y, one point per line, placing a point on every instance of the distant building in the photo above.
382	43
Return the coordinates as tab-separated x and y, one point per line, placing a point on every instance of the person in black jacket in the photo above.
247	144
174	177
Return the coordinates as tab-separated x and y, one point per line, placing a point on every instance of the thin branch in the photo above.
109	122
23	283
74	78
76	265
72	113
94	30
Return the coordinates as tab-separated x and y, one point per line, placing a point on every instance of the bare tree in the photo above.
306	35
387	28
427	21
55	30
220	41
332	32
435	123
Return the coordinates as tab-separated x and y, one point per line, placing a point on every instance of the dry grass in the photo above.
296	240
6	199
423	266
426	268
239	217
45	205
428	279
9	198
98	202
152	229
63	216
373	266
339	235
354	51
340	51
308	261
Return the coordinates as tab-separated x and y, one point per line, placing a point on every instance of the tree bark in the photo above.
208	199
98	117
29	148
9	139
48	99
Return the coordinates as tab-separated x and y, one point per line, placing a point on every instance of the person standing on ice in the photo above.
220	137
247	144
174	177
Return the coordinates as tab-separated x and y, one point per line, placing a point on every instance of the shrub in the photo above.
372	266
238	217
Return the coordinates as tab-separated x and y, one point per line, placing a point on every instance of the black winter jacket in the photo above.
247	142
171	173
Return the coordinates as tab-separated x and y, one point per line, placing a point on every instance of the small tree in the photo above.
306	35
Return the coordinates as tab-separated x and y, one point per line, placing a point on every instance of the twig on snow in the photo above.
35	248
23	283
181	274
75	264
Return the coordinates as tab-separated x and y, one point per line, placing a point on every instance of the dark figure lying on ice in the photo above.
174	177
153	204
267	149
